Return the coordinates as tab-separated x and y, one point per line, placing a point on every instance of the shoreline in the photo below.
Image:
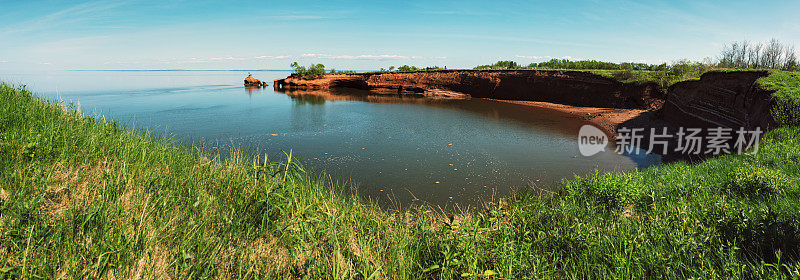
564	87
713	100
607	119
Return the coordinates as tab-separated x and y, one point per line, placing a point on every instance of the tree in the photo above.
791	64
311	72
406	68
770	55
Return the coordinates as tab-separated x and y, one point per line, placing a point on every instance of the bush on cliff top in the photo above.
314	71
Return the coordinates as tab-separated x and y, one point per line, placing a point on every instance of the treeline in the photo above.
575	65
598	65
500	65
315	71
406	68
769	55
566	64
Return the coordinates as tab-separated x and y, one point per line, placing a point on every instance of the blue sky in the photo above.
373	34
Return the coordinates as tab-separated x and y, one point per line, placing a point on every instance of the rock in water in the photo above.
250	81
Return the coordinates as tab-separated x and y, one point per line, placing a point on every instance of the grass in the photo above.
786	86
663	79
82	197
734	216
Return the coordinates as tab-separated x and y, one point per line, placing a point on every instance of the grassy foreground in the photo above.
85	198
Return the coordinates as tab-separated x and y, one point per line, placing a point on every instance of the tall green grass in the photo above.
82	197
786	86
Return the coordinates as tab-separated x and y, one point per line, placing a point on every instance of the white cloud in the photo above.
201	60
45	63
382	56
363	56
440	57
3	61
227	58
529	57
272	56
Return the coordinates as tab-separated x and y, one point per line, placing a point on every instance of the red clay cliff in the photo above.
564	87
717	99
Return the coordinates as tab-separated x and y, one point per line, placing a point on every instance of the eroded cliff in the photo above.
721	99
565	87
730	99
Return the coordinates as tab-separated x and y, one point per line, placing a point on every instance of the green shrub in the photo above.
757	182
622	75
500	65
406	68
587	64
686	69
609	191
767	235
787	112
314	71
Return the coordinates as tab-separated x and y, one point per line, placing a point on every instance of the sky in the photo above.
368	35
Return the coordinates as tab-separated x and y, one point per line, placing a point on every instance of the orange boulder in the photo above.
250	81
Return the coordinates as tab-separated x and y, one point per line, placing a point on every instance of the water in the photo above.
394	150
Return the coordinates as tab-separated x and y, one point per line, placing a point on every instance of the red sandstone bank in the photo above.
726	99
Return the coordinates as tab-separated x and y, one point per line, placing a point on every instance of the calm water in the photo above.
392	149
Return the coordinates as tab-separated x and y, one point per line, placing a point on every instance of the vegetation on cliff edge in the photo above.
313	71
786	86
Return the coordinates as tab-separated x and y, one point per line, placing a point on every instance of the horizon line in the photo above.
122	70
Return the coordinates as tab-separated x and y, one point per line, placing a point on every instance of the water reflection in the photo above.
309	99
449	151
319	96
253	90
537	119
